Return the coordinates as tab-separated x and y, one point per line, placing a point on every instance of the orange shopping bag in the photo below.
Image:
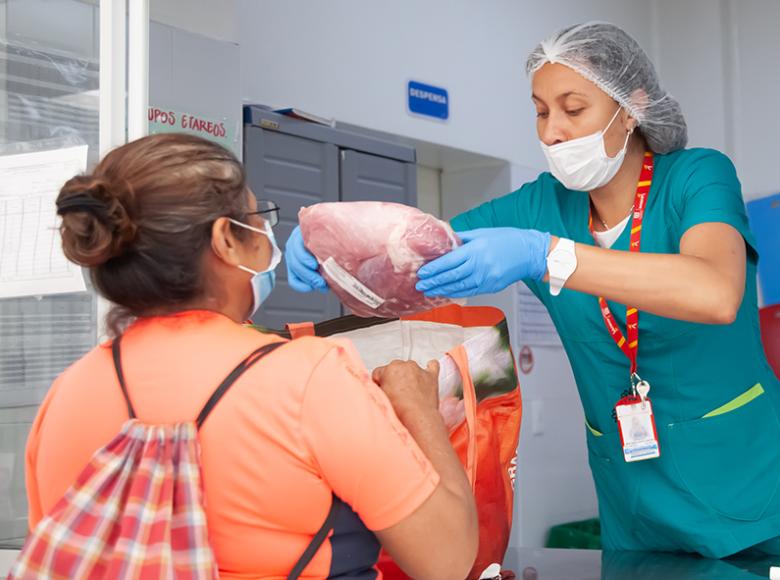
479	399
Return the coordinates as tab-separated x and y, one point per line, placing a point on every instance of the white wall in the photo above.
755	52
720	60
216	19
351	59
689	60
193	73
429	190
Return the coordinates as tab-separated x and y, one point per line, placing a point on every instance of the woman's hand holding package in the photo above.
411	389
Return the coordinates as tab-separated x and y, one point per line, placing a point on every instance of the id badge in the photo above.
637	428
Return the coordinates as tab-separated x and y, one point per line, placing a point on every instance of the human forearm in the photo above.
428	430
684	287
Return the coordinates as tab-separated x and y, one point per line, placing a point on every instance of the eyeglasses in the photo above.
268	210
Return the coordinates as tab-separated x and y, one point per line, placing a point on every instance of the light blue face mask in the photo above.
262	282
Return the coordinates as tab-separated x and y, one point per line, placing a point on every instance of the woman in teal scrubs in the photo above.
660	233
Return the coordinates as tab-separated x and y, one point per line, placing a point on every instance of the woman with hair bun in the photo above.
174	239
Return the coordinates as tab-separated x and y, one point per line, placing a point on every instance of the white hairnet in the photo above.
610	58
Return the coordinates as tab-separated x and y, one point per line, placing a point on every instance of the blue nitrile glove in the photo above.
302	267
489	260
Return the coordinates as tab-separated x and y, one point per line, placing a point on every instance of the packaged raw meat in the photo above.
370	251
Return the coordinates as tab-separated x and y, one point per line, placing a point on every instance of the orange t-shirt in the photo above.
304	422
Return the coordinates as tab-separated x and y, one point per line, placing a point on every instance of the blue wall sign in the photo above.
428	100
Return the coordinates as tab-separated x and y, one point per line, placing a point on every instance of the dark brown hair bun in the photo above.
96	225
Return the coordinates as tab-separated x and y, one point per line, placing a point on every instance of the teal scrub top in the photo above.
715	489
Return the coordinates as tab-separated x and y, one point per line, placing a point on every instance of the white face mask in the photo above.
582	164
263	281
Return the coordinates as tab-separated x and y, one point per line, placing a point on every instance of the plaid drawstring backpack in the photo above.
136	510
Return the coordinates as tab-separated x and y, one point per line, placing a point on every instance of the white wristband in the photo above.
561	264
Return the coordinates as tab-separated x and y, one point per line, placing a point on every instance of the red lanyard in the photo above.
629	345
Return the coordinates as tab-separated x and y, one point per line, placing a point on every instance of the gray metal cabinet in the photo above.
371	178
295	164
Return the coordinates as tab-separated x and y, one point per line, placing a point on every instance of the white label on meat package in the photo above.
351	284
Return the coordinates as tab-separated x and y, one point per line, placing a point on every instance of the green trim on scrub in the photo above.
592	430
755	391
